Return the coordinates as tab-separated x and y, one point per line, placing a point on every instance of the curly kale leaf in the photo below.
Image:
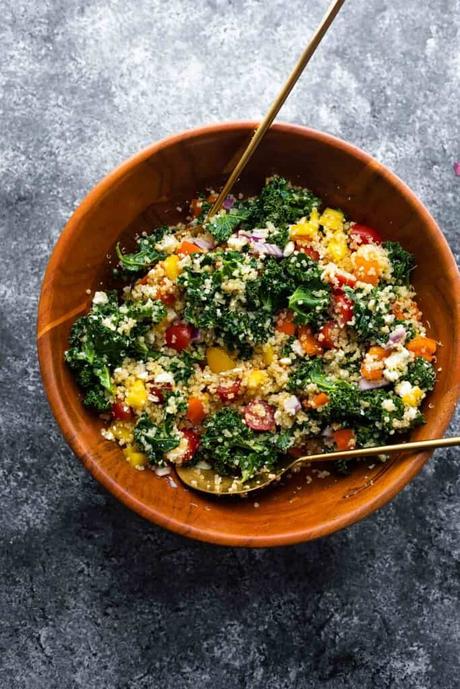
402	262
223	225
422	373
97	345
146	255
310	303
156	439
369	311
281	203
233	449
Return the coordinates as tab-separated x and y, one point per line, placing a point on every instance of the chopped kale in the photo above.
310	303
97	345
223	225
402	262
156	439
146	256
422	373
369	311
281	203
236	450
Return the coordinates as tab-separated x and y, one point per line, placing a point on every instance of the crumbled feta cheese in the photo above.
165	377
100	298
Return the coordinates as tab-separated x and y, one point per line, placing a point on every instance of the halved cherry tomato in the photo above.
195	410
285	323
328	334
343	306
309	250
195	207
159	391
424	347
362	234
308	341
228	391
260	416
344	439
178	336
193	443
121	411
169	299
187	248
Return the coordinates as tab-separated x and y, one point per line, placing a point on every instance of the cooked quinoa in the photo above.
278	325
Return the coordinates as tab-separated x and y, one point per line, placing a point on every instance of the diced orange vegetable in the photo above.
308	341
372	365
367	269
212	198
188	248
195	410
319	400
285	323
344	439
423	346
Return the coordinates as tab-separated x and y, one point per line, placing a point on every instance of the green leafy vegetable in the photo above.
310	303
156	439
223	225
146	256
236	450
422	373
281	203
402	262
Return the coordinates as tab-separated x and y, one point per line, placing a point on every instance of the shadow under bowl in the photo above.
145	192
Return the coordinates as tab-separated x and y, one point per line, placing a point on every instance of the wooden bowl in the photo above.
145	192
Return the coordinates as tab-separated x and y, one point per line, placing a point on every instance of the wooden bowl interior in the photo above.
144	193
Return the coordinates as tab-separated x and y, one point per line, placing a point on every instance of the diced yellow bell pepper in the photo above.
136	395
122	430
135	458
172	267
303	230
314	218
332	219
337	247
219	360
256	379
414	397
267	354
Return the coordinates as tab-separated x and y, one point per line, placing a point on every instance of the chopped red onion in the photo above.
229	202
162	471
457	168
292	405
196	334
397	336
203	243
259	234
267	249
364	384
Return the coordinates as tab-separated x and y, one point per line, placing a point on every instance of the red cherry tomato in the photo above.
195	207
121	411
345	280
328	334
361	234
343	306
229	390
260	416
167	299
193	443
310	251
178	336
159	391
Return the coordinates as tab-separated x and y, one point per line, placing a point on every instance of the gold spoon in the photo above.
279	101
208	481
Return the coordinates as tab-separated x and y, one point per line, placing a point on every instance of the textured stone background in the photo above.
91	595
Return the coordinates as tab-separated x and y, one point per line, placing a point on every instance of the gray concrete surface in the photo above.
91	595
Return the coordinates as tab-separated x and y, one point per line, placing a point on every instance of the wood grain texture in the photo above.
144	192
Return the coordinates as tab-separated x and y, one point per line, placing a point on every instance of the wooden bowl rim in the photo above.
412	465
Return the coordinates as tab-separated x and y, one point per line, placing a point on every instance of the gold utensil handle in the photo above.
278	103
381	450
